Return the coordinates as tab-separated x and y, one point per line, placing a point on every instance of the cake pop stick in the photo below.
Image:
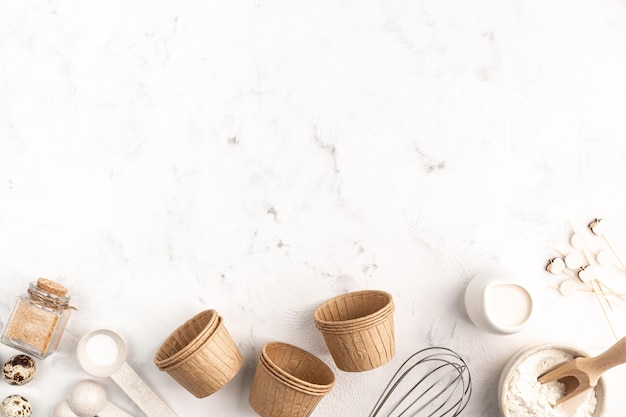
586	273
557	266
578	240
574	260
606	315
569	287
604	257
598	227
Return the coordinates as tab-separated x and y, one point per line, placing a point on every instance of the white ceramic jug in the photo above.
496	300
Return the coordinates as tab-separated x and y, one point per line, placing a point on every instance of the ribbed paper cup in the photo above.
297	384
211	362
353	308
187	338
358	329
292	389
356	324
297	366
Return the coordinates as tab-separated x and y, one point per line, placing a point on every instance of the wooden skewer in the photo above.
606	315
590	276
613	299
598	229
595	283
569	287
613	292
604	295
585	275
619	296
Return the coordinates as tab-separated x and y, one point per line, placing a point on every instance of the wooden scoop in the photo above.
582	374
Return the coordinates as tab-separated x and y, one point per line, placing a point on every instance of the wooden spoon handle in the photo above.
613	356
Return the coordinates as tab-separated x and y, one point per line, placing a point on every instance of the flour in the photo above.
526	397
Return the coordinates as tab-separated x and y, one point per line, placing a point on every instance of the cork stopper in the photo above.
51	287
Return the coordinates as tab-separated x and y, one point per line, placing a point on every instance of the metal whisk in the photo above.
434	382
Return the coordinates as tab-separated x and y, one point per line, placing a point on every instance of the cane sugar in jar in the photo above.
38	319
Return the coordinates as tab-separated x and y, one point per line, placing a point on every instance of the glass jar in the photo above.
38	319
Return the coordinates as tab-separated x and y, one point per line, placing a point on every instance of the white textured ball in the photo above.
63	410
87	398
15	406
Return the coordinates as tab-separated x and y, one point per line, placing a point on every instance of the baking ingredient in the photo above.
526	397
15	406
38	319
101	350
122	374
507	305
19	370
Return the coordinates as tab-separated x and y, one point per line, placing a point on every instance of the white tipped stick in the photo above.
606	315
598	227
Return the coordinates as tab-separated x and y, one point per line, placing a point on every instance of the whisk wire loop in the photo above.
433	382
437	395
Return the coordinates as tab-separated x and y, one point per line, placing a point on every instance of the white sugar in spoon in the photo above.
88	399
102	353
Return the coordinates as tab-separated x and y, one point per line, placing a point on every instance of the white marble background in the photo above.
258	157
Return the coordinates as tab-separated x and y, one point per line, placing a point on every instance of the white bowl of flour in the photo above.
521	395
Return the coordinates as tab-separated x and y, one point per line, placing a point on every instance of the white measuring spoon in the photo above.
88	399
102	353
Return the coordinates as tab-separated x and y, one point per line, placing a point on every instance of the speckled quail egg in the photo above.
19	369
15	406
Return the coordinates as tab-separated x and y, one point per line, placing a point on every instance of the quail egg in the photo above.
15	406
19	369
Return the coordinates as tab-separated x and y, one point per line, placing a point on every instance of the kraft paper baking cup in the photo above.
187	338
211	362
296	366
353	308
356	324
358	329
288	382
309	388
